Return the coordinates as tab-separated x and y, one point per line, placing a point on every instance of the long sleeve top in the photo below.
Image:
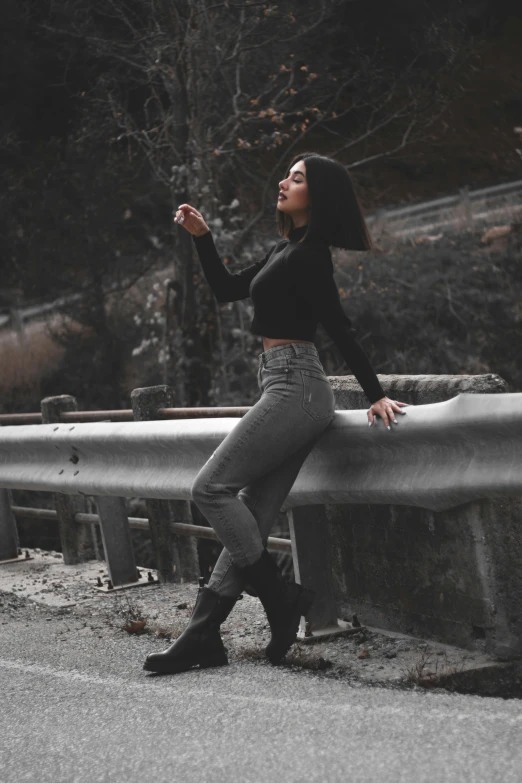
293	290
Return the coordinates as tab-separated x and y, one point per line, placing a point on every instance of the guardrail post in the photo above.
74	537
176	556
380	226
466	212
8	533
312	563
117	542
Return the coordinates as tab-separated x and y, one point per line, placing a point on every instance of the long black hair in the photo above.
336	215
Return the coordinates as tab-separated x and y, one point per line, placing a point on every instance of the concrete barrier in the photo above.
450	574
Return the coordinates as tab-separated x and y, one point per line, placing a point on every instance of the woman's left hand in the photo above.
385	408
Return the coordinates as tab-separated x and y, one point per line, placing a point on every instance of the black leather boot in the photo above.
200	644
283	601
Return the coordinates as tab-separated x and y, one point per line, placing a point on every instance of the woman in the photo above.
243	485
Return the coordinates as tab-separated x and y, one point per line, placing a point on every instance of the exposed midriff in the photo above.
270	342
293	291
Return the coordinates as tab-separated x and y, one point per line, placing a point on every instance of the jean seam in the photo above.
284	369
231	563
217	468
242	545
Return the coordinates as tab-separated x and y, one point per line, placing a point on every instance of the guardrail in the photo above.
125	415
16	316
173	542
463	210
443	455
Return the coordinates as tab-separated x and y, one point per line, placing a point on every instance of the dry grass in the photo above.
25	358
298	655
430	672
171	631
305	658
128	612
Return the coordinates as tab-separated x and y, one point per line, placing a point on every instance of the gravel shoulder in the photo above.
42	590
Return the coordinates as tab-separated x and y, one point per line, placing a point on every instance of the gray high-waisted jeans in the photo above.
242	486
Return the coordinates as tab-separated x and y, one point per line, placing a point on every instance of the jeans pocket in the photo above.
274	375
276	364
318	398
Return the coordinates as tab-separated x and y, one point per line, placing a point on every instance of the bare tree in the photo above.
216	96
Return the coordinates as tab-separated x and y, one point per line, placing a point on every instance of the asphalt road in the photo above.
80	709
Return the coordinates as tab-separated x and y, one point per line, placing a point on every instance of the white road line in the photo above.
431	711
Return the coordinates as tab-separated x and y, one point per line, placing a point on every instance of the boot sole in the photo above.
174	667
276	653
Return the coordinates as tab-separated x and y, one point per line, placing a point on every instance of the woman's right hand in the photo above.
192	220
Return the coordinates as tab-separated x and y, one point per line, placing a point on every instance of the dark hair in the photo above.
336	215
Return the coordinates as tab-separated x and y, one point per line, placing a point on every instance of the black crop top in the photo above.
293	290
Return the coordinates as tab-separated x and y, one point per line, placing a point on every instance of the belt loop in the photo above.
294	346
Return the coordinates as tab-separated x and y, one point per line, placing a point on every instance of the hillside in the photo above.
472	143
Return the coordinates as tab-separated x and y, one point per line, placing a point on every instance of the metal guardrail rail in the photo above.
16	316
126	414
158	460
463	210
142	523
482	194
161	459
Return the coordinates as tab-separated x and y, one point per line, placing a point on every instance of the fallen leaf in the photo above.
135	626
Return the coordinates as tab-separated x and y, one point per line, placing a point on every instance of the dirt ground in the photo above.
68	595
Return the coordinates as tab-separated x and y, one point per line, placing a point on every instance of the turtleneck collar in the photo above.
297	233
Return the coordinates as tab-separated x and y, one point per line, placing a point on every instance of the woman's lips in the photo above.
281	198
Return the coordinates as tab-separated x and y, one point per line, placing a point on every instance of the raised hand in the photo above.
191	219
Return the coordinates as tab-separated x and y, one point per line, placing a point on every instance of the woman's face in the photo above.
297	202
